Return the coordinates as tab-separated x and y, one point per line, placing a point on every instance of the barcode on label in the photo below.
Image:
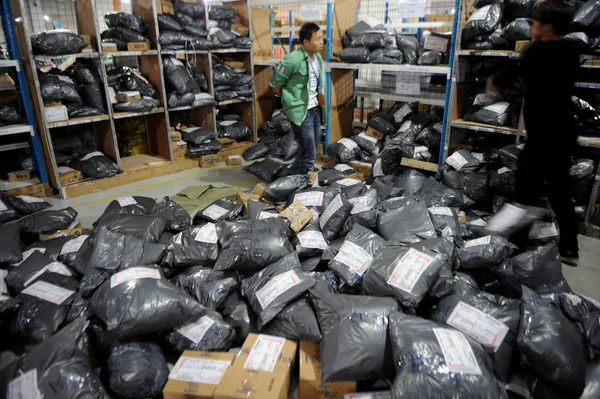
360	204
196	331
312	239
349	144
199	370
276	286
457	351
409	269
74	244
478	241
265	353
215	212
207	233
133	273
125	201
342	167
48	292
476	324
456	160
441	210
311	198
354	257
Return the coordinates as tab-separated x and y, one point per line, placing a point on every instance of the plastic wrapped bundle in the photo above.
430	58
492	41
409	45
217	211
444	362
482	21
551	345
445	221
10	252
484	252
207	333
510	154
144	227
48	221
36	264
353	55
296	322
237	313
250	245
381	123
178	77
495	114
125	20
131	205
519	29
502	182
195	31
310	242
183	40
137	370
581	175
586	17
195	136
388	55
208	147
143	105
218	12
26	204
368	143
266	170
289	146
333	217
192	10
124	34
175	100
316	198
223	39
345	150
354	328
370	40
256	151
9	116
463	160
210	288
233	129
168	23
58	88
146	303
388	161
174	215
58	42
406	223
280	189
194	246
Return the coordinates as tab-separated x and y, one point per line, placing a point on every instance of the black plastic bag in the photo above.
233	129
195	31
125	20
174	215
406	222
368	143
36	264
484	252
502	182
10	251
96	165
9	116
551	345
409	45
256	151
250	245
510	154
219	12
388	55
27	204
127	35
443	362
289	146
210	288
473	185
131	205
44	307
366	218
586	17
345	150
490	42
430	58
350	187
76	253
50	248
310	242
296	322
333	217
218	210
137	370
178	77
197	135
78	110
182	39
60	363
497	114
168	23
174	100
519	29
280	189
143	105
144	227
147	303
581	176
58	88
356	55
354	328
266	170
482	21
7	212
316	198
463	160
207	333
518	8
58	42
381	123
224	75
48	221
193	10
370	40
223	39
194	246
209	147
329	176
273	288
237	313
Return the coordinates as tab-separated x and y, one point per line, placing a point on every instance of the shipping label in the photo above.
311	198
196	331
276	286
354	257
441	210
207	233
476	324
456	160
330	210
199	370
349	144
457	351
74	244
478	241
342	167
264	353
312	239
409	269
133	273
30	199
25	386
360	204
125	201
215	212
48	292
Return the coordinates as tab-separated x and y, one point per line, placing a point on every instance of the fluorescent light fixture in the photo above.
47	18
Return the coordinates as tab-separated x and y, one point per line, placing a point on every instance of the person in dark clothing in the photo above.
548	68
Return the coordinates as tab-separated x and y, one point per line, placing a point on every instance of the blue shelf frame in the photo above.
23	90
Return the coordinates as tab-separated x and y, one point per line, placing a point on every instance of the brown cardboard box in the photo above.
5	79
74	229
225	140
239	29
175	136
298	214
233	160
521	45
68	175
208	161
164	7
235	64
110	47
242	199
462	217
190	367
415	163
234	149
374	133
312	177
128	96
259	373
138	46
310	376
37	190
92	43
259	189
361	167
19	175
179	150
325	160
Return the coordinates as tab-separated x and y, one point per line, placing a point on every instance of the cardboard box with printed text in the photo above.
310	376
298	215
19	175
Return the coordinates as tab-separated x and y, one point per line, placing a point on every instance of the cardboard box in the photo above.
298	214
53	103
374	133
208	161
68	175
19	175
175	136
128	96
92	46
233	160
310	376
414	163
362	167
462	217
164	7
225	140
239	29
56	114
312	177
242	198
261	372
234	149
521	45
138	46
179	150
259	189
5	79
110	47
74	229
197	381
325	160
37	190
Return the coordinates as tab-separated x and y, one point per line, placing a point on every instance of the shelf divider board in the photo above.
146	9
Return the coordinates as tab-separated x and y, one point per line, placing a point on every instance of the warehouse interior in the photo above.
166	235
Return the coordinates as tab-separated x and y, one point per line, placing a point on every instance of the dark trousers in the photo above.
549	164
308	136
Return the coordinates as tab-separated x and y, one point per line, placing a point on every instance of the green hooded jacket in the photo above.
292	76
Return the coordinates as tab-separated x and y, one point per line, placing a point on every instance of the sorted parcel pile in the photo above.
184	30
124	28
231	83
225	29
134	93
186	84
382	273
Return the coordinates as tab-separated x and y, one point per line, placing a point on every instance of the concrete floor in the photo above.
584	279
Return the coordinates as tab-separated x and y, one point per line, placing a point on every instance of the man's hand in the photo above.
277	91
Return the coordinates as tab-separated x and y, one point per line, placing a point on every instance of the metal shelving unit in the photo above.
22	90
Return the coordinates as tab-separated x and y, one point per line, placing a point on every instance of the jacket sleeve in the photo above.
282	72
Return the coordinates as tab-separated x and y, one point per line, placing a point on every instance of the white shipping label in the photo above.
65	79
508	216
74	244
196	331
409	269
48	292
215	212
330	210
25	386
360	204
2	206
91	155
311	12
456	160
265	353
312	239
207	233
377	168
133	273
412	8
503	170
347	182
3	288
408	88
402	113
476	324
498	107
30	199
541	229
420	149
369	395
276	286
125	201
342	167
478	222
176	62
457	351
199	370
357	259
191	129
441	210
235	157
267	215
28	253
226	123
480	14
311	198
349	144
436	43
478	155
478	241
367	137
54	267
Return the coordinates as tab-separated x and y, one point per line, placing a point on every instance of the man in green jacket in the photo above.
300	80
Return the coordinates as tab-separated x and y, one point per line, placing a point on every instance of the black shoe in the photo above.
569	257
